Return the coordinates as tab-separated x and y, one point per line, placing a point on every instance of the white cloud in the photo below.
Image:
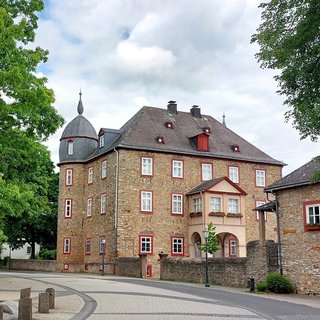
126	54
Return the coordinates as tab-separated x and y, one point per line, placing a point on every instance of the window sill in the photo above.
195	214
217	214
312	227
234	215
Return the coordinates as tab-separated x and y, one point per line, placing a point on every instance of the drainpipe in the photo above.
116	210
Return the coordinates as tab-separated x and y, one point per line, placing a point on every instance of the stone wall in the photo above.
223	271
261	260
129	267
35	265
300	247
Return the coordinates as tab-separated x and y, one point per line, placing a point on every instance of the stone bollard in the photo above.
25	309
43	303
1	313
25	293
52	296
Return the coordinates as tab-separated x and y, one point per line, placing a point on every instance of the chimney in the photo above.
195	111
172	107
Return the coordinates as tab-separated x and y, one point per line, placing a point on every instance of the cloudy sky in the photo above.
125	54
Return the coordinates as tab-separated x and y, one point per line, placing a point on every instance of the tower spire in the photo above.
224	119
80	105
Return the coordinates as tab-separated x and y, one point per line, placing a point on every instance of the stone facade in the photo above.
300	246
124	226
123	221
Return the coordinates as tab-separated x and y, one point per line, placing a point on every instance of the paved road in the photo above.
92	297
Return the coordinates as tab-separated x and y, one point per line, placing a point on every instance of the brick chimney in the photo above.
195	111
172	107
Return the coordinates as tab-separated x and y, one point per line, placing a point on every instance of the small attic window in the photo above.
235	148
70	147
206	129
160	139
101	141
169	125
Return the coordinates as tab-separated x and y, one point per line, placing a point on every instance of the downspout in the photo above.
116	209
278	231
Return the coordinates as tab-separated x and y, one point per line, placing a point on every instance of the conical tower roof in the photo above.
82	134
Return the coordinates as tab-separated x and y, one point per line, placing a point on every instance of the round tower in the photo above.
78	142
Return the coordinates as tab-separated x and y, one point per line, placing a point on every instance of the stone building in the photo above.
153	186
299	213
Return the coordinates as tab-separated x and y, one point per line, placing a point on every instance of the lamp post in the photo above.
205	233
103	242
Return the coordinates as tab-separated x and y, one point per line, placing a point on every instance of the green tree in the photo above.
27	118
289	42
213	243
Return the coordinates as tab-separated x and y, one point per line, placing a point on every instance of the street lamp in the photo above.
205	233
103	242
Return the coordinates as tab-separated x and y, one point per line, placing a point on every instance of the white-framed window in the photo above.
258	204
177	169
89	207
69	177
104	169
68	208
146	244
197	205
313	214
234	174
103	203
260	178
66	245
177	203
70	147
90	175
88	246
177	246
232	248
233	205
146	166
101	141
206	171
146	201
215	204
102	245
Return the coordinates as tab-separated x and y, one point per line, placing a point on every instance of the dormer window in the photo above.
235	148
206	130
203	142
160	139
169	125
70	147
101	141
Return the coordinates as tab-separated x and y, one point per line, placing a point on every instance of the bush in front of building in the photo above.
46	254
276	283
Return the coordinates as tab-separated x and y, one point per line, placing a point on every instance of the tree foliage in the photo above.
289	39
212	244
27	118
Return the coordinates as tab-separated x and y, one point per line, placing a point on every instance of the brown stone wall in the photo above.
128	266
223	271
36	265
300	248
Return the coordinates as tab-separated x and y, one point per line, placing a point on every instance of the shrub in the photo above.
278	284
46	254
262	286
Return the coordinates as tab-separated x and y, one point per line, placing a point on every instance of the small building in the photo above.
298	206
22	253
